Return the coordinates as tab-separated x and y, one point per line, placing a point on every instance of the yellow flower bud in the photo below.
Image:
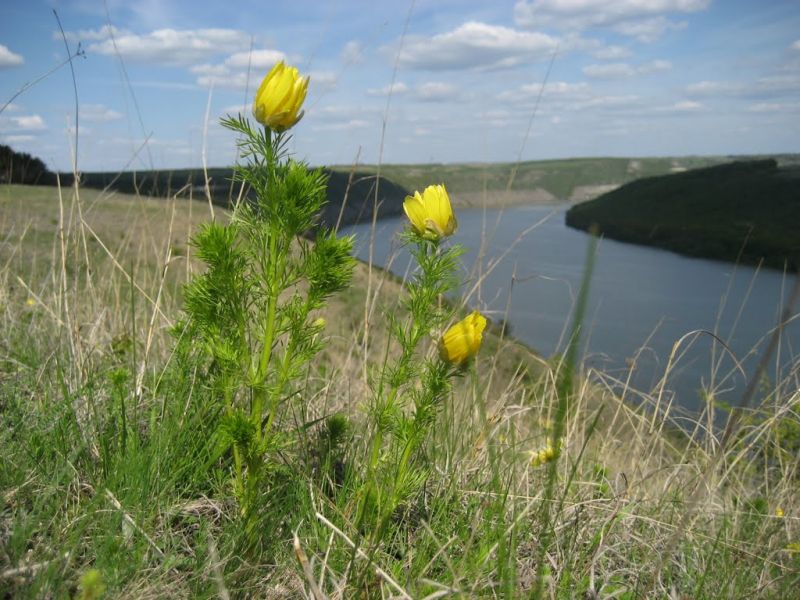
546	454
430	213
779	512
279	98
319	323
462	341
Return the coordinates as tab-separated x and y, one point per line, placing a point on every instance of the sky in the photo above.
401	82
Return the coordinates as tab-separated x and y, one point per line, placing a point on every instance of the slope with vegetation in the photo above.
109	484
351	195
746	210
561	180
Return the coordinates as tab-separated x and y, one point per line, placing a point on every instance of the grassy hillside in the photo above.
469	184
351	194
113	482
741	210
560	180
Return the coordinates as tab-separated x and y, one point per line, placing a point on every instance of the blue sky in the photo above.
628	78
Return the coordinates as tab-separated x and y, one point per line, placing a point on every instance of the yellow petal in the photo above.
433	217
280	97
415	211
463	340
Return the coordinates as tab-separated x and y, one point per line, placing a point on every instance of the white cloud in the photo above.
395	89
17	139
497	114
688	105
609	71
713	88
343	126
795	45
648	30
82	130
777	84
352	52
683	106
260	60
172	46
475	44
232	72
642	19
91	35
560	90
237	81
654	66
97	113
579	14
27	123
608	102
322	81
623	70
611	53
9	58
771	86
774	107
436	91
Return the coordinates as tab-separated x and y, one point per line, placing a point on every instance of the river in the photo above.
642	301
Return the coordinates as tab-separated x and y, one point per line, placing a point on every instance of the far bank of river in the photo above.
643	300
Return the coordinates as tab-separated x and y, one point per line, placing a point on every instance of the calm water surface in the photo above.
642	299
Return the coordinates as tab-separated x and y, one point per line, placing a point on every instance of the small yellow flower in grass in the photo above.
30	302
546	454
430	213
319	323
462	341
279	98
779	512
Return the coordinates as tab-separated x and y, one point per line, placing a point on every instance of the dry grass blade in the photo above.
130	520
307	571
361	554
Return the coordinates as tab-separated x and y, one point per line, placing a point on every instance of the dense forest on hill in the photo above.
20	167
746	211
351	195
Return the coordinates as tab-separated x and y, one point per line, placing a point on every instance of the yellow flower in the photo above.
430	213
30	302
462	341
279	98
546	454
779	512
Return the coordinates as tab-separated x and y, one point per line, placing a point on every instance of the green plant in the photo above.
250	321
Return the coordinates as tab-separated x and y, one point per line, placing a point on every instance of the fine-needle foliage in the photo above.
249	327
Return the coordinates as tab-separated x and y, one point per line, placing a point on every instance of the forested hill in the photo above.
351	195
748	210
20	167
